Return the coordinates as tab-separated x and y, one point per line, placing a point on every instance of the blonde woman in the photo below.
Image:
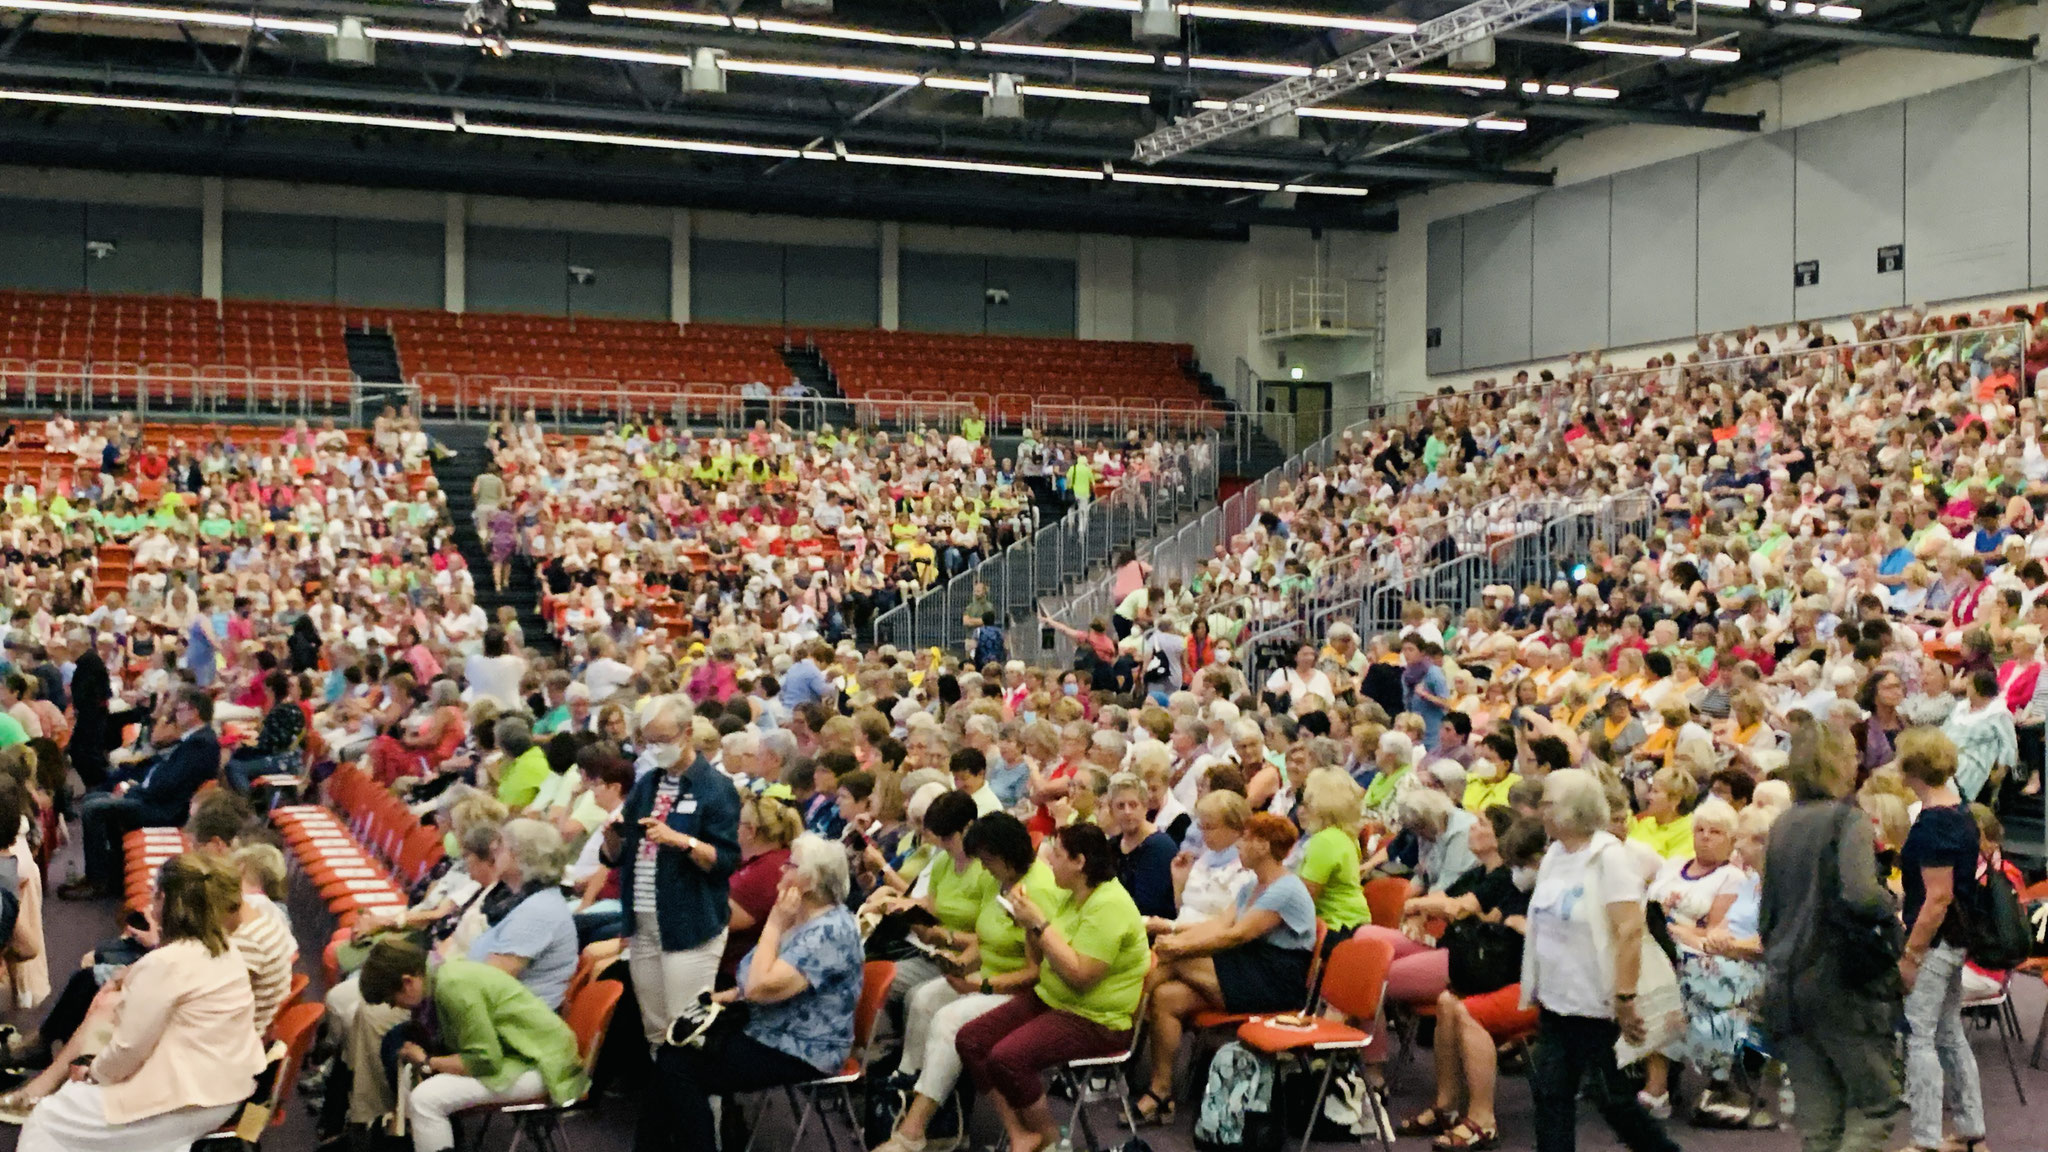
1328	856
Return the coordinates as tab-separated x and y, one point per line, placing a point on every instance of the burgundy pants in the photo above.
1007	1050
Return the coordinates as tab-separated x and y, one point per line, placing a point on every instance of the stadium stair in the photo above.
810	370
457	471
1260	453
373	355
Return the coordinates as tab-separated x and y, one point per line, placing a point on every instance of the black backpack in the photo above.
1999	937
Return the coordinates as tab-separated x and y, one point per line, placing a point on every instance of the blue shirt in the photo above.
1289	897
1433	682
542	931
805	684
816	1024
1009	781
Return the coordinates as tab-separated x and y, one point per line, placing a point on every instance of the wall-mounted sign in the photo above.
1806	274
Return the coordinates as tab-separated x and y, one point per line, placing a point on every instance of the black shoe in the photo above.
83	889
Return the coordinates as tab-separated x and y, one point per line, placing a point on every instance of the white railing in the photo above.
1315	306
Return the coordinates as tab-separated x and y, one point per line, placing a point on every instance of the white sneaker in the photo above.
898	1142
1658	1106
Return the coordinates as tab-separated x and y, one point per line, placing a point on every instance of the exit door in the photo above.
1307	403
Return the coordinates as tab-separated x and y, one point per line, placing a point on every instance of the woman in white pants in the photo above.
994	967
508	1046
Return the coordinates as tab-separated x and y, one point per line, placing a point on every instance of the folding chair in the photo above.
1996	1011
540	1121
875	979
1354	984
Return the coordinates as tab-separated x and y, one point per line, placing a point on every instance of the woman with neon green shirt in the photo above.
1092	957
957	888
990	971
1330	814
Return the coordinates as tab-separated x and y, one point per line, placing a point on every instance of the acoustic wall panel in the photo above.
1497	283
629	276
1653	261
1849	201
2037	164
273	256
831	287
156	250
1966	189
1443	306
1041	297
1745	242
735	282
940	292
518	270
388	263
42	245
1568	302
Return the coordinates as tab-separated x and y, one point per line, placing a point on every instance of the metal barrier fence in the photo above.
86	390
1064	550
725	409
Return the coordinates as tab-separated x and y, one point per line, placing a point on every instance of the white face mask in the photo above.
1525	879
665	755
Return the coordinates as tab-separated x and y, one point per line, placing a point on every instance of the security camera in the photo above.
581	275
998	295
100	249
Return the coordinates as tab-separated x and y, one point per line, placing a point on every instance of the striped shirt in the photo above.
665	791
268	949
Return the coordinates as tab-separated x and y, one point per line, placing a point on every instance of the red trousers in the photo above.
1008	1050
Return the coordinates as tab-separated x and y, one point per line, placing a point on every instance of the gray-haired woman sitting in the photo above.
798	988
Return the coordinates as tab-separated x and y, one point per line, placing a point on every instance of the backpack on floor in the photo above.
1236	1111
1351	1112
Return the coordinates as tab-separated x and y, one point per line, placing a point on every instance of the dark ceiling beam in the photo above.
1263	161
542	171
1864	34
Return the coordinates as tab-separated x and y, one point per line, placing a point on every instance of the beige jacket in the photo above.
184	1035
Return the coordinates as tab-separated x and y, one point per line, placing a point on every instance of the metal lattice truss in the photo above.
1433	38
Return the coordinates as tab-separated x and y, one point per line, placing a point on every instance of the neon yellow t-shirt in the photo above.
1672	841
1105	927
957	896
1331	860
1002	942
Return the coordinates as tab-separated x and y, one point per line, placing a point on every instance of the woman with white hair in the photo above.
1582	966
800	984
1696	895
534	936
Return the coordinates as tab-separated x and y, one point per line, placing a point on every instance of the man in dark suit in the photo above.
158	794
92	690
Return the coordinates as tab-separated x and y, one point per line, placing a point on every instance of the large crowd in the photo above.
1706	823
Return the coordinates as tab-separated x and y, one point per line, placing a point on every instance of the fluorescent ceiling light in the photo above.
1327	190
253	112
811	71
837	32
1716	55
1450	80
1630	48
1099	95
571	136
1295	19
1838	12
1249	67
1052	52
415	36
1596	92
598	52
1195	181
975	166
171	15
956	84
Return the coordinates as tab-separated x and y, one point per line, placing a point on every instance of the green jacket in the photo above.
501	1030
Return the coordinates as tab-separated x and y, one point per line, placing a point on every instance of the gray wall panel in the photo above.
2037	163
1497	284
1745	244
388	263
1043	297
1568	306
632	276
156	250
42	245
1653	290
1444	296
270	256
1966	189
518	270
1849	200
941	292
831	287
735	282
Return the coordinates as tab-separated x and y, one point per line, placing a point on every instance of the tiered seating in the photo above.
464	359
143	852
54	345
1010	376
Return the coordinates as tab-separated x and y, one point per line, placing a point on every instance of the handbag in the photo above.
1865	950
1484	956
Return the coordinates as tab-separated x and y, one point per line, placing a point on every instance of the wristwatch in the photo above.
987	989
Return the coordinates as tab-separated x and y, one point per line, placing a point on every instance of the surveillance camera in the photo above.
998	295
100	249
581	275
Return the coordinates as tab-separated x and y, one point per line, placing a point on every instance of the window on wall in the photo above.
997	295
568	273
788	285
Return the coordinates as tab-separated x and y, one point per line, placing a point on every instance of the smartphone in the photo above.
1008	908
856	840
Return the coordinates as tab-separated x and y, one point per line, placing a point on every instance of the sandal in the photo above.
1161	1111
1963	1144
1468	1137
1430	1121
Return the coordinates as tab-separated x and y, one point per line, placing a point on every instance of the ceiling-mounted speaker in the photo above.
351	45
1003	101
704	74
1156	20
1474	57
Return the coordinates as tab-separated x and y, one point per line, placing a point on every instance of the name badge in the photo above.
686	807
